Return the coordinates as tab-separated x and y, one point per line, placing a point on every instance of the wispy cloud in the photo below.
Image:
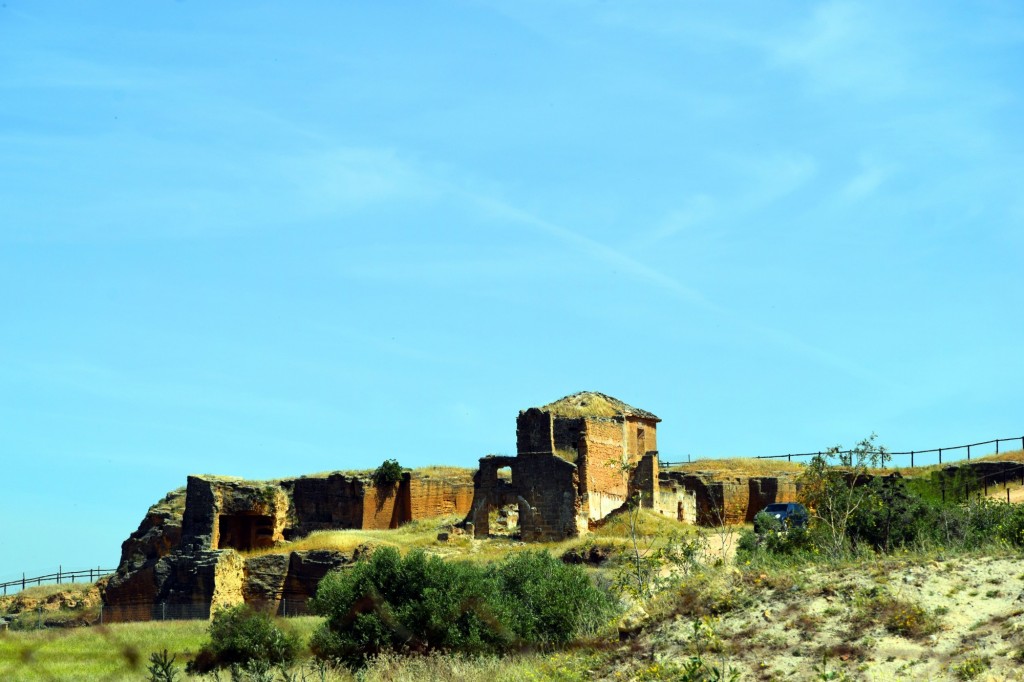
867	181
842	46
591	248
695	211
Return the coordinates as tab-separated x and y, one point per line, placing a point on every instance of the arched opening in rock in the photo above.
245	531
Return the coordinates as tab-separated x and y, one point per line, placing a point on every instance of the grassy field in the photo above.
115	652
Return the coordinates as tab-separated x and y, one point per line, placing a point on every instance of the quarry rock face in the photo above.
188	556
158	534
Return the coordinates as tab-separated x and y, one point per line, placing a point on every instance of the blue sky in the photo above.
266	239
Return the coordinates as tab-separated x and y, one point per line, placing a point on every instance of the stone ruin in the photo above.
188	555
578	460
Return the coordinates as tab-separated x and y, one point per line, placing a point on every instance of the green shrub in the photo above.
771	539
546	600
889	516
240	635
422	603
388	473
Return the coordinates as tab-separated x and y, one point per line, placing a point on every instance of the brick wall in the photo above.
601	453
635	445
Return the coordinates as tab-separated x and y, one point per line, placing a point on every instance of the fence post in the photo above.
911	459
789	458
997	446
968	453
943	490
23	581
59	567
1007	496
940	455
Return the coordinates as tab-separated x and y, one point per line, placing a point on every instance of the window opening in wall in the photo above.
505	474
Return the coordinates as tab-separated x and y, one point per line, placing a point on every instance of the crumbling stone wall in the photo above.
567	432
641	436
765	490
550	508
645	479
491	491
675	501
733	499
545	489
535	432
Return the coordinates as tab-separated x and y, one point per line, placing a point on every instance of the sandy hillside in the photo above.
892	619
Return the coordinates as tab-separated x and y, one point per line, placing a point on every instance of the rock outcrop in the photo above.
188	556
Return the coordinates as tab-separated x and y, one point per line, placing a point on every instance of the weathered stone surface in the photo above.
307	569
264	578
158	534
181	554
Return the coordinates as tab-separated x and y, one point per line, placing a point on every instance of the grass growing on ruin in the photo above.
740	466
751	466
421	533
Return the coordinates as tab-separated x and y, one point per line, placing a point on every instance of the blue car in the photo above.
789	514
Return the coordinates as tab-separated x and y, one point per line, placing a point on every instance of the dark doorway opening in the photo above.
245	531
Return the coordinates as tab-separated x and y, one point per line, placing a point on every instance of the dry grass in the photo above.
583	405
444	471
43	592
1012	456
751	466
417	534
430	471
740	466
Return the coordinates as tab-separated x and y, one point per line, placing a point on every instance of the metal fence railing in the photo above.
61	576
912	454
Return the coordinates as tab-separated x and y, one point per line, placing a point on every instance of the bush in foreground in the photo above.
240	635
420	603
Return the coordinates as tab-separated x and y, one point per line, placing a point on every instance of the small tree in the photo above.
832	488
387	474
